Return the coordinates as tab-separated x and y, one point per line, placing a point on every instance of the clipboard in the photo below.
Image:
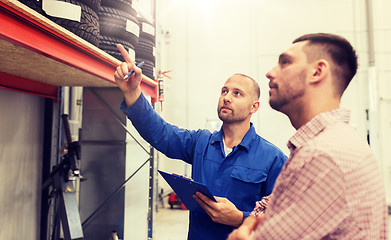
186	188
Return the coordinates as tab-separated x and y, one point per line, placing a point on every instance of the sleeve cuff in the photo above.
134	108
245	215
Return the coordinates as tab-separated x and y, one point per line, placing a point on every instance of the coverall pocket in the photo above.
248	175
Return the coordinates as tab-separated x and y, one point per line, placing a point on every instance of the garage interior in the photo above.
51	73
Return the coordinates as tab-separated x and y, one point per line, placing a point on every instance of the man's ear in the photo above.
320	70
254	107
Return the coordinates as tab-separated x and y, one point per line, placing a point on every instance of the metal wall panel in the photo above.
21	138
102	163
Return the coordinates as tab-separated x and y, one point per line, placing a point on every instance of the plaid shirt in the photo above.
329	188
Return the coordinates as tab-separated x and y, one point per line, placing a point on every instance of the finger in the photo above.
239	234
118	73
117	76
232	235
137	71
205	206
199	200
124	69
259	219
124	53
206	199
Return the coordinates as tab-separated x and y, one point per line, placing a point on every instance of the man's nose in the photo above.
271	74
227	97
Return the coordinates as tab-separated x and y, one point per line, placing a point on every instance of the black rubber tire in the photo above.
113	23
114	13
124	5
93	4
109	45
35	5
145	49
148	68
87	28
115	54
144	33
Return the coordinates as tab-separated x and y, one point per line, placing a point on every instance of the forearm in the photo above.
167	138
131	97
249	221
238	220
245	230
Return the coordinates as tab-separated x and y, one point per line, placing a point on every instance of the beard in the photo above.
290	93
289	96
231	117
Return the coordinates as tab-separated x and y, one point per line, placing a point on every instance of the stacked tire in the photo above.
87	28
106	23
118	25
145	48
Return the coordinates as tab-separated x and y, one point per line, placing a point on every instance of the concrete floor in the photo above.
171	224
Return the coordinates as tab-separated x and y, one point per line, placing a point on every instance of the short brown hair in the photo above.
339	50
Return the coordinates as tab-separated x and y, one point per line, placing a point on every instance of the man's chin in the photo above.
275	105
224	117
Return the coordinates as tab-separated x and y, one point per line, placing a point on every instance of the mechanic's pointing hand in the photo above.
131	85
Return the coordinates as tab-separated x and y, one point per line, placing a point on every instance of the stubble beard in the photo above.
281	103
230	117
293	92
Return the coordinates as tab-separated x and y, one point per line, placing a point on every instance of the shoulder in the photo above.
342	139
341	145
264	145
202	134
264	154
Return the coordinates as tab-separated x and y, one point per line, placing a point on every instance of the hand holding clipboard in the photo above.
220	209
185	189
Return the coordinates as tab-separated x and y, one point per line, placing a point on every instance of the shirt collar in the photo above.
246	141
316	125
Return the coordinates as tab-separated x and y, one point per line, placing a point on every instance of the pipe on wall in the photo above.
373	112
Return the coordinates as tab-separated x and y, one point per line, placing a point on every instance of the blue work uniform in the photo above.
244	176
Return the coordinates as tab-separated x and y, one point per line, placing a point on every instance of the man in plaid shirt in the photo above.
330	187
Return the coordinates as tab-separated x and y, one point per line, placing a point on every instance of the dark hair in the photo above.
339	50
257	91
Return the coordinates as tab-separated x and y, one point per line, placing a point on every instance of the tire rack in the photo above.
45	55
39	56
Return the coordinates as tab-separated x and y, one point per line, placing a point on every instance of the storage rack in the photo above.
37	56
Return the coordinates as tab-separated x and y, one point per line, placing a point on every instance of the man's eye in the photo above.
224	91
283	62
237	93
